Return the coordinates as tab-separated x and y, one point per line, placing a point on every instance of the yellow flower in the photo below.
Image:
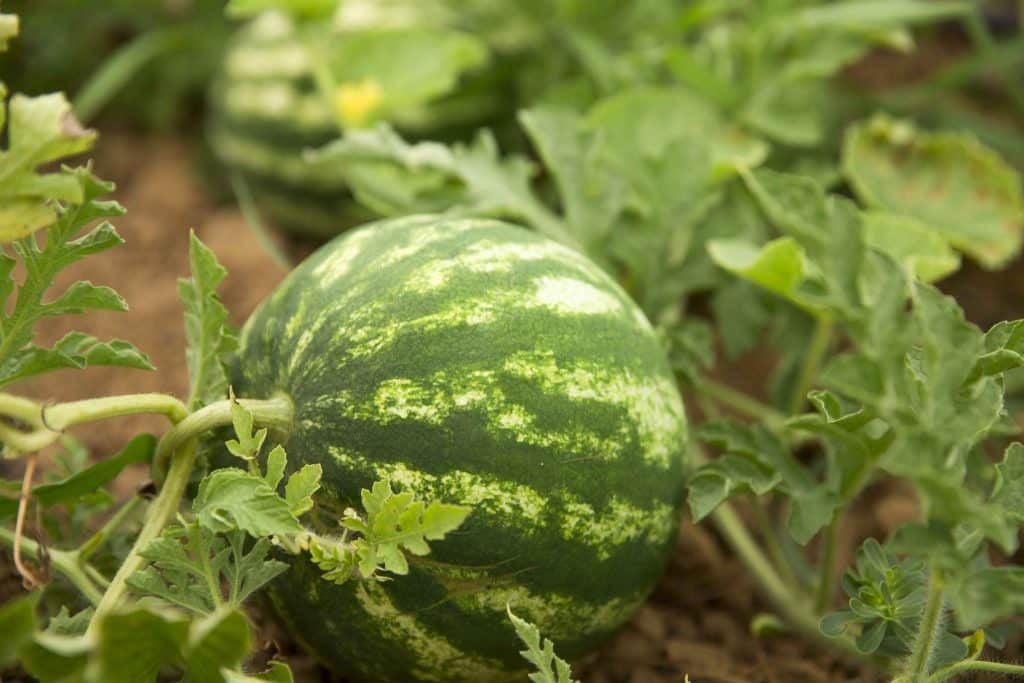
357	102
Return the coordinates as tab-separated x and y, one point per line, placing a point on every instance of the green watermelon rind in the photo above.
478	363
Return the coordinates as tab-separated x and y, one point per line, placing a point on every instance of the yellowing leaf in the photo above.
948	181
41	130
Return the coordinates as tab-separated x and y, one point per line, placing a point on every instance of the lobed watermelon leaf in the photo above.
64	245
207	331
394	524
550	667
189	561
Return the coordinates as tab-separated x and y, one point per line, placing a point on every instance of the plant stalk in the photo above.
816	351
160	514
50	421
948	672
916	669
274	413
826	578
793	607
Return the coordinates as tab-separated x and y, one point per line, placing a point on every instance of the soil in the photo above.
697	623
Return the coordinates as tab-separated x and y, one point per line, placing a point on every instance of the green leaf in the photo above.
393	177
231	498
187	561
756	460
854	15
300	9
248	444
300	489
712	484
248	571
277	460
51	657
788	109
389	72
41	130
591	193
217	641
541	654
886	600
984	595
65	624
924	252
19	357
948	181
780	266
395	524
17	623
1008	492
136	644
88	481
209	336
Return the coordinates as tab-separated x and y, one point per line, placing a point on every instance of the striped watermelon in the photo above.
473	362
266	109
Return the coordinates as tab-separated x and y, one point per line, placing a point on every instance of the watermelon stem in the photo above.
275	413
795	608
48	422
180	442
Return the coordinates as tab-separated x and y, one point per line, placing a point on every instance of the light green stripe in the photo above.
437	659
559	617
518	506
278	102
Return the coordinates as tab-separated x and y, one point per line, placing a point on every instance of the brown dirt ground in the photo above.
696	623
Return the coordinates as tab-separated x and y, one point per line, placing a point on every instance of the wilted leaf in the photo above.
948	181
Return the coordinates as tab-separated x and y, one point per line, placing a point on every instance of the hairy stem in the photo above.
23	409
64	415
816	351
770	537
794	608
160	514
274	413
827	575
916	668
948	672
68	563
50	421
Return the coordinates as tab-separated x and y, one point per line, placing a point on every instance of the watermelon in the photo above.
472	362
267	109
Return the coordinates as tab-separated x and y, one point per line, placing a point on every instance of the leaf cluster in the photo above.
394	524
